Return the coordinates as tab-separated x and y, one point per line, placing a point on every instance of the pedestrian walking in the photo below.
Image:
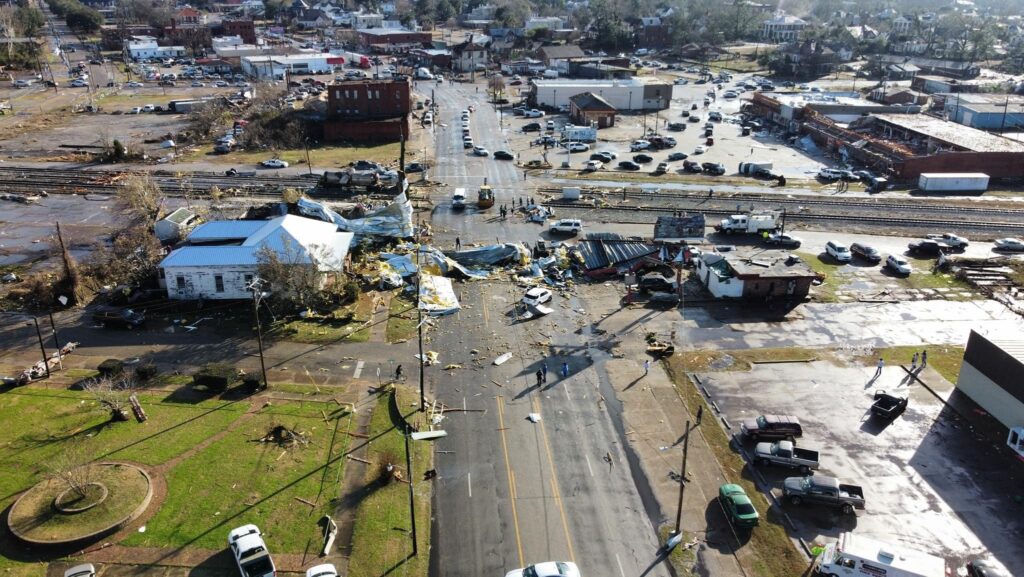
565	370
700	414
878	370
458	246
913	362
924	358
711	192
647	367
544	371
540	377
531	201
398	373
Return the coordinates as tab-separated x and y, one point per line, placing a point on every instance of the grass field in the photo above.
402	319
344	323
238	479
921	278
321	157
230	479
381	543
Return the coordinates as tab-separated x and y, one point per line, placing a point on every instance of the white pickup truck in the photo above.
949	239
787	454
250	552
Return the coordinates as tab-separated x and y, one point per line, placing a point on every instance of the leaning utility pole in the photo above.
682	480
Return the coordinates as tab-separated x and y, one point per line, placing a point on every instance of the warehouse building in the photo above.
633	95
277	66
991	376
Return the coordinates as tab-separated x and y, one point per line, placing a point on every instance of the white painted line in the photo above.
566	389
359	370
589	468
469	482
621	572
464	411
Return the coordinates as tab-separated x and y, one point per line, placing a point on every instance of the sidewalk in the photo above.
655	420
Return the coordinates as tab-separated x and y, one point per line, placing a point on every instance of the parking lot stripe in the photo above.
359	370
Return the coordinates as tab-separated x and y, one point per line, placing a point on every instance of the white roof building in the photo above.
222	257
782	28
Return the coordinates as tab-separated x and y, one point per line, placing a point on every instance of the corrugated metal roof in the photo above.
180	216
211	256
605	253
225	229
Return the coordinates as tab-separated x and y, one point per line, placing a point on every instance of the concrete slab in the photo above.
921	474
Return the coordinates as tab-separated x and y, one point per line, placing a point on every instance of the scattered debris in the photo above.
534	417
284	437
501	359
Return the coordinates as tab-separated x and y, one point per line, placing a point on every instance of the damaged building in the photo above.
780	277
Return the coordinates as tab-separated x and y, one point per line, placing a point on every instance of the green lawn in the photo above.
381	540
238	480
321	157
825	292
344	323
402	319
921	278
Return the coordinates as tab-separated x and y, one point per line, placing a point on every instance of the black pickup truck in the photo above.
888	406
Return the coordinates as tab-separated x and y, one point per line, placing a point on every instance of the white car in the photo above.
637	145
134	85
78	84
1010	245
609	153
838	251
547	569
898	265
428	118
198	84
274	163
537	296
481	151
325	570
701	149
534	113
950	239
136	110
577	146
221	84
149	108
86	570
593	165
250	552
567	226
729	94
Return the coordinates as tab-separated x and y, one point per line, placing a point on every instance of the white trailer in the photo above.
579	133
857	556
953	182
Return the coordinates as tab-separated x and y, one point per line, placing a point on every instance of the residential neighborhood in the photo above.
534	289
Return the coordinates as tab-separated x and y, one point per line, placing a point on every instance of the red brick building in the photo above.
368	110
244	28
389	40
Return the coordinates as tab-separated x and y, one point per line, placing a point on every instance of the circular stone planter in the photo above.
69	510
34	518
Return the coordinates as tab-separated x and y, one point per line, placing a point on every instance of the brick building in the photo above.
244	28
589	109
368	110
391	40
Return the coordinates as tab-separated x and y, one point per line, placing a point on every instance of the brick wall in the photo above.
360	132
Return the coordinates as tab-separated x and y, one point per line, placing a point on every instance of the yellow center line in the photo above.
511	480
554	482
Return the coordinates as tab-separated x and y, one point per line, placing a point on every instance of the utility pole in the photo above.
56	343
41	347
419	321
1002	124
682	480
256	294
412	502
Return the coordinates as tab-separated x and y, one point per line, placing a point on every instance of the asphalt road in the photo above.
511	491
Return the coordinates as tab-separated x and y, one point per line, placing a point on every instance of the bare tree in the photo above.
140	196
291	273
71	467
7	26
112	393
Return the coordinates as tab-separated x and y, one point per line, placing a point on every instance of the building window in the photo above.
248	280
181	282
218	282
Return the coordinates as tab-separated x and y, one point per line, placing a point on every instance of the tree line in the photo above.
78	16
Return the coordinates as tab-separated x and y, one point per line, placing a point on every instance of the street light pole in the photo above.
256	294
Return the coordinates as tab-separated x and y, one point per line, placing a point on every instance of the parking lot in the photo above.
930	482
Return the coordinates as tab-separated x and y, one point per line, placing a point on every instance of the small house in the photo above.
172	228
589	109
764	277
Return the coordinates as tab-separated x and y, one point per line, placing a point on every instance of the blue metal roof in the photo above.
225	229
212	256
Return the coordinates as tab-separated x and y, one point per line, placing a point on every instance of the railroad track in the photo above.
813	201
938	223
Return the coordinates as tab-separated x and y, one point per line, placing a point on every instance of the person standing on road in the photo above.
458	246
544	372
540	377
647	367
565	369
879	366
913	362
924	358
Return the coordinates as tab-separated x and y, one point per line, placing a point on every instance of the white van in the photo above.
423	74
459	199
838	251
854	555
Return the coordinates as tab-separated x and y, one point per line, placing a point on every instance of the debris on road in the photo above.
502	358
534	417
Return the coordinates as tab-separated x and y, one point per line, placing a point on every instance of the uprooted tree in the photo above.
112	393
132	258
139	197
294	273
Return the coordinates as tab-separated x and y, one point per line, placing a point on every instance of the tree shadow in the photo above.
220	563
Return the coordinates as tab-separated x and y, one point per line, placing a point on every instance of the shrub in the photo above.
110	368
215	376
350	291
146	372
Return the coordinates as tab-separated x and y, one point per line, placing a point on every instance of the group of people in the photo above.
542	372
918	356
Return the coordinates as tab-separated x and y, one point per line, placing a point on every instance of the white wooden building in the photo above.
222	257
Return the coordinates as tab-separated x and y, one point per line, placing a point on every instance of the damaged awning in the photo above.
492	255
437	296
